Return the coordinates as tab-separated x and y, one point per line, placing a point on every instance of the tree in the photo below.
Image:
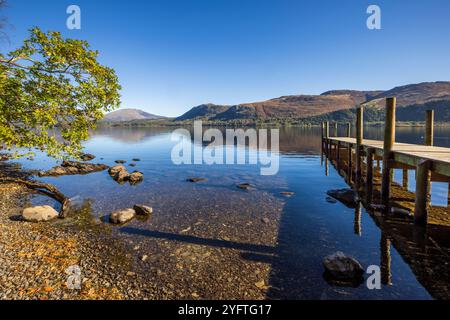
52	93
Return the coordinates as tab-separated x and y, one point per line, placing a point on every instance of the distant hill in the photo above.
129	115
331	105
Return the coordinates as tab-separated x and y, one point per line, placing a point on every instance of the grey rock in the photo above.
72	168
39	214
143	210
196	179
87	157
287	194
340	267
120	161
122	216
244	186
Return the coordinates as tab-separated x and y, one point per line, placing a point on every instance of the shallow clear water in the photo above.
303	230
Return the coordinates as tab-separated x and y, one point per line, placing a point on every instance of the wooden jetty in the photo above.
430	163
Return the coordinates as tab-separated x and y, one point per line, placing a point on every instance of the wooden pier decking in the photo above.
408	154
431	163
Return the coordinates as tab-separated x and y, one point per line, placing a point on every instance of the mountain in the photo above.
330	105
296	106
129	115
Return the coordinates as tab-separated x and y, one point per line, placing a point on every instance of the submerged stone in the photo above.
343	270
195	180
244	186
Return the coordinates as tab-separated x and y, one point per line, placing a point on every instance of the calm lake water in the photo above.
302	230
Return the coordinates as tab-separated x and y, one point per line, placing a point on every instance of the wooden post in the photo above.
349	130
359	141
335	129
429	141
448	201
389	140
422	192
350	164
429	128
405	179
327	137
369	175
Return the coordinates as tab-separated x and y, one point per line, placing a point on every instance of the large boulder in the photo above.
347	196
142	210
39	214
122	216
342	269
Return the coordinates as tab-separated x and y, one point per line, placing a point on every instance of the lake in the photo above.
221	242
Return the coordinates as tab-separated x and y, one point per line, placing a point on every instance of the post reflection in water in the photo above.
385	265
358	230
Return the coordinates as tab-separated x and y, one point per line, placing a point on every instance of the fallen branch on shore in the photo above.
43	188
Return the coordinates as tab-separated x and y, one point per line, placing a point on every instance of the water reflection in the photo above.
425	249
223	224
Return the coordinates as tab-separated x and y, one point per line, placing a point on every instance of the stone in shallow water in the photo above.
244	186
114	170
342	269
347	196
87	157
136	159
122	216
287	194
72	168
136	177
39	214
196	179
120	161
142	210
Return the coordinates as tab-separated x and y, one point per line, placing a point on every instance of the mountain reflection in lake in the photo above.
218	241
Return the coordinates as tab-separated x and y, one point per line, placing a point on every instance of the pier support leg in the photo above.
429	128
359	141
405	179
335	133
369	175
349	130
422	192
389	140
350	163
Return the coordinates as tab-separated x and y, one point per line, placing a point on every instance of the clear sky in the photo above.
171	55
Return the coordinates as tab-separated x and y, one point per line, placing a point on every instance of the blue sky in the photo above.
171	55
